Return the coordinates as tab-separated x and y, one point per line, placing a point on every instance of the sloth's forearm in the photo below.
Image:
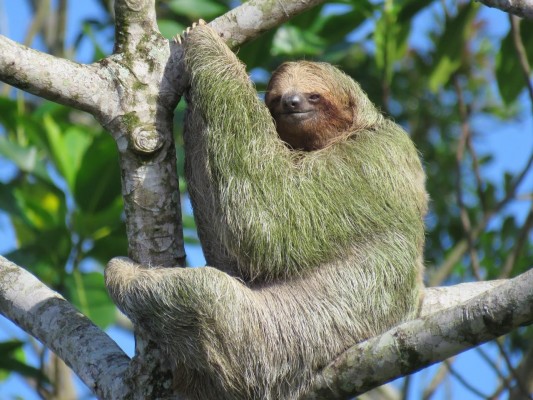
221	88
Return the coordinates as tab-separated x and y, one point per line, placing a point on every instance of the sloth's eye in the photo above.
274	100
314	97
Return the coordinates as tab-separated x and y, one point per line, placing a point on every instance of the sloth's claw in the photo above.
180	38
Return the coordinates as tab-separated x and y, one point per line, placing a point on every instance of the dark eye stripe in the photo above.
276	99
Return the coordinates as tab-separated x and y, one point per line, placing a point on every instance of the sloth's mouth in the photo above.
298	114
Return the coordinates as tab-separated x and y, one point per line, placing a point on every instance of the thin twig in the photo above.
405	387
521	52
521	241
457	252
462	246
439	376
519	383
464	382
465	219
477	173
58	47
506	383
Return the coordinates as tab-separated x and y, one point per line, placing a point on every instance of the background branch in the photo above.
255	17
522	8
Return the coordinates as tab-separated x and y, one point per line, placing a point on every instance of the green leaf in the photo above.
335	27
390	38
8	202
67	148
169	28
254	54
9	112
25	158
294	42
448	57
509	73
13	360
98	179
410	8
42	205
88	293
10	346
308	18
44	253
97	225
195	9
113	245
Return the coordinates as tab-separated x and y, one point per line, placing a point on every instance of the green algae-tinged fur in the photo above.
291	212
312	251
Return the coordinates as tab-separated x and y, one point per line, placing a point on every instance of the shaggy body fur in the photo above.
312	251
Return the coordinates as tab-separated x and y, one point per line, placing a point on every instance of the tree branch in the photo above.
254	17
443	297
80	86
525	374
422	342
522	8
133	18
45	314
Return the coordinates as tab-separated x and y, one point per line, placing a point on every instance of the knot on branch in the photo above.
146	140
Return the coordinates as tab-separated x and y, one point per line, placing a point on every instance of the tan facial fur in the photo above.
310	109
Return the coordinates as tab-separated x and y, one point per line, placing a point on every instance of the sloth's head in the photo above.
311	104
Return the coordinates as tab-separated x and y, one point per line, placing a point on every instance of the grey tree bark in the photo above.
520	8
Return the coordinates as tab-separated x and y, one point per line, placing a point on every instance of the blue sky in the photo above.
512	141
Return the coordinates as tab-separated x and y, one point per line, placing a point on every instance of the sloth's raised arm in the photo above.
286	209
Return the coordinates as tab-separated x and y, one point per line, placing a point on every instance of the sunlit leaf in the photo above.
42	205
195	9
509	73
25	158
68	148
448	56
88	293
14	360
292	41
98	178
169	28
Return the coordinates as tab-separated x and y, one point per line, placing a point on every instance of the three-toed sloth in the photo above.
310	213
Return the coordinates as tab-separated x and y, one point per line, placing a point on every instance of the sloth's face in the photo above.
307	114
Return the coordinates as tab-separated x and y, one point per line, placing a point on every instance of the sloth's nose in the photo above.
292	102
